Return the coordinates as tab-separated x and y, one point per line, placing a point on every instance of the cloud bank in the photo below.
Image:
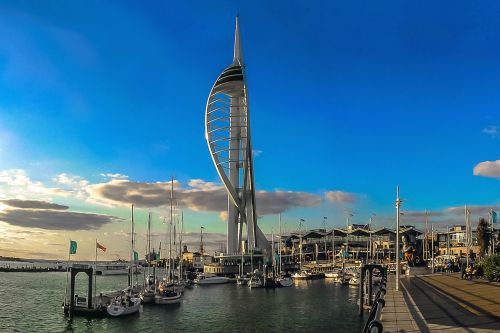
340	196
488	169
198	196
33	204
51	216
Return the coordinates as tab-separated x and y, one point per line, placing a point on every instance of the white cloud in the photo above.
114	175
493	131
488	169
16	183
256	152
223	216
340	196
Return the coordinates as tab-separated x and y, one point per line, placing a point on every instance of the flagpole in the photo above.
67	269
491	230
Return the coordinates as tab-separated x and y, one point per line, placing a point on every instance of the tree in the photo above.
483	236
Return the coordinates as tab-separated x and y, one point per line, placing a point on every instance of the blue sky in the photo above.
351	96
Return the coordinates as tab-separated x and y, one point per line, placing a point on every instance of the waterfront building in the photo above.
228	135
354	244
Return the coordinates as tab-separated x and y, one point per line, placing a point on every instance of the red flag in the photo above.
99	246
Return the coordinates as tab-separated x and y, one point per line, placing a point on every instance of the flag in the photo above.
494	216
101	247
72	247
136	256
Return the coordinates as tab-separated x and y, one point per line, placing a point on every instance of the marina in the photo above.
166	203
202	308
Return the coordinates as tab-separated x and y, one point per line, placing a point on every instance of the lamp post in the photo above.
432	247
398	204
324	227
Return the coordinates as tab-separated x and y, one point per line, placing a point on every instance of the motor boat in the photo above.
242	280
333	274
303	275
255	282
209	278
354	280
285	281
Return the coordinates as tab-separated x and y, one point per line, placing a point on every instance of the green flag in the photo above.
136	256
72	247
494	216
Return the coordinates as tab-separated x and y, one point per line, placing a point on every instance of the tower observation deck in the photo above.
227	131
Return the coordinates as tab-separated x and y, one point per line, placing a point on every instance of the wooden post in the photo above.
369	289
89	292
72	291
361	289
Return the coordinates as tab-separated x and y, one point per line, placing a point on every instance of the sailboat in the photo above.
168	292
148	292
126	303
284	280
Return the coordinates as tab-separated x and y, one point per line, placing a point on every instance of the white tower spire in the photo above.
238	53
227	130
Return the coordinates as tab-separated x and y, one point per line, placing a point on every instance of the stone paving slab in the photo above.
441	303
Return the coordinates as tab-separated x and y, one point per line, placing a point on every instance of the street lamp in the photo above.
398	205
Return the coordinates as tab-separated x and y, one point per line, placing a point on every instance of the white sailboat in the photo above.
168	292
284	280
126	303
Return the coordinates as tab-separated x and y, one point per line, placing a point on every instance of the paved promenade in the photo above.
442	303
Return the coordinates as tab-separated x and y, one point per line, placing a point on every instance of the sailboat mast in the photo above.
272	251
170	230
149	242
131	272
180	246
333	247
279	245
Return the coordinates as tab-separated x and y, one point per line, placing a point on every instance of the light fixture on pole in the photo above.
396	250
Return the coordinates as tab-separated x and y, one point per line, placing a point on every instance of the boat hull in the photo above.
116	310
147	297
163	300
208	281
285	282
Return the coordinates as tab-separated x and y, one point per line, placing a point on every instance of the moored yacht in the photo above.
302	275
167	294
255	282
123	305
209	278
285	281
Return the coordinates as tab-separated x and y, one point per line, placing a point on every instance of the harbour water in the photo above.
31	302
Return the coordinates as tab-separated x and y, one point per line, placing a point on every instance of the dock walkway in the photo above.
442	303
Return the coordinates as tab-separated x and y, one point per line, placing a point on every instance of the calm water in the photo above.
31	302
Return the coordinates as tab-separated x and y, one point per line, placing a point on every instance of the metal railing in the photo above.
373	324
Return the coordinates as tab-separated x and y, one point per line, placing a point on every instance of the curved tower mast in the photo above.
227	131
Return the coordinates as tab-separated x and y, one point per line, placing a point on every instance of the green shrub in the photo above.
491	267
